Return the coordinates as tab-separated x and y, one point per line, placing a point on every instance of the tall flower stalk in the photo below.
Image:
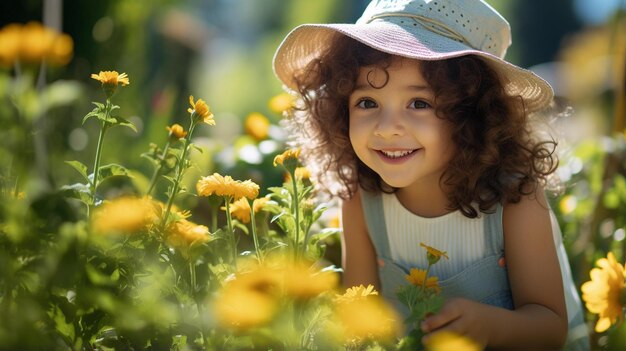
110	81
255	237
229	223
176	132
198	112
289	160
158	169
180	169
96	165
422	298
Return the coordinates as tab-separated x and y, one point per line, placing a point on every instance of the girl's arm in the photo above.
358	253
539	321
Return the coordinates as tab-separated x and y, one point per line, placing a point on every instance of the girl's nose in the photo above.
389	125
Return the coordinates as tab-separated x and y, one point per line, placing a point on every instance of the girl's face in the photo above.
393	126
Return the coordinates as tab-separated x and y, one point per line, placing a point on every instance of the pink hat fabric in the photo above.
424	30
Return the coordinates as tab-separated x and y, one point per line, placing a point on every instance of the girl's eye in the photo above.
366	103
419	104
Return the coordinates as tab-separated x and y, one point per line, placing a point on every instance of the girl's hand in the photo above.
460	316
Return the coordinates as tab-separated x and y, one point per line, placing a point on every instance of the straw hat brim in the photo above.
309	41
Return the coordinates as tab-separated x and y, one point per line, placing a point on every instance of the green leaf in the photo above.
112	170
94	113
119	121
99	278
98	111
278	216
429	304
78	191
80	168
62	326
170	179
325	233
243	227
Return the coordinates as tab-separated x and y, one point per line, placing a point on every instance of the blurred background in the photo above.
221	51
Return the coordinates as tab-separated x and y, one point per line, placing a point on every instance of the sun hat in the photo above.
419	29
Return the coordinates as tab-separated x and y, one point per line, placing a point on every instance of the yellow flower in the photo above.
449	341
124	215
201	110
302	283
36	42
281	103
416	277
602	295
434	252
240	209
10	43
356	292
257	126
242	309
184	233
249	300
433	255
111	78
366	318
33	43
287	158
226	186
176	131
61	51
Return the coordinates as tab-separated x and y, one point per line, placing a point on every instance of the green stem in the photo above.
229	221
192	277
426	277
96	165
179	173
157	171
213	219
205	339
16	188
296	209
254	235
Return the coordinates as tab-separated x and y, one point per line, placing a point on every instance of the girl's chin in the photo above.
395	182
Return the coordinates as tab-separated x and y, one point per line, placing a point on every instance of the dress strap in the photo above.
372	209
494	240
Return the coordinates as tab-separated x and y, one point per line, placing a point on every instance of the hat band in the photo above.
428	23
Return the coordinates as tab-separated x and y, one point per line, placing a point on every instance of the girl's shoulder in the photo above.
527	223
531	210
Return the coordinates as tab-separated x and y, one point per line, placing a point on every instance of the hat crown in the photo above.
472	22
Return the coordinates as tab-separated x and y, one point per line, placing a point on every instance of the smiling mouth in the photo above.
397	153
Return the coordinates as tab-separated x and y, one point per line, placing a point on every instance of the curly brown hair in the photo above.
498	158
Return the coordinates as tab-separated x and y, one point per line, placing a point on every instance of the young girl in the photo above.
415	120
